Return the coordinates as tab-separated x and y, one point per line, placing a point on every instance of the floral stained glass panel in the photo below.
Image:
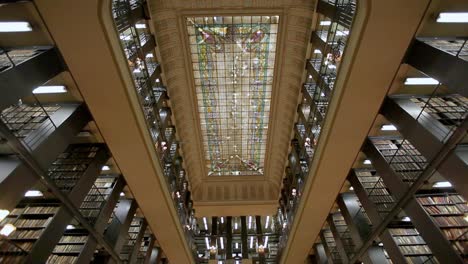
233	61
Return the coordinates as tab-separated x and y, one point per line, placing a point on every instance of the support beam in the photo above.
19	81
131	144
357	99
440	65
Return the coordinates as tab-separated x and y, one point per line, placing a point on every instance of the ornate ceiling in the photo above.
234	71
233	61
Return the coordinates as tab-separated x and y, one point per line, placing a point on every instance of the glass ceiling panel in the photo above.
233	61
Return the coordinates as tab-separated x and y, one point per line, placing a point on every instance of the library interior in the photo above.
234	131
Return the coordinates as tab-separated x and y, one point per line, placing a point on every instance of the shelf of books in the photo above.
329	244
134	236
448	211
342	235
145	246
98	196
76	244
75	170
400	156
30	222
376	190
70	246
411	244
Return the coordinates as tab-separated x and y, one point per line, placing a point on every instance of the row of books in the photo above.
68	248
405	240
27	223
26	234
61	259
415	250
442	199
73	239
443	209
40	210
450	221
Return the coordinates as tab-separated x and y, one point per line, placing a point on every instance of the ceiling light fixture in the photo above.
7	229
15	26
251	242
406	219
452	17
139	25
70	227
351	188
442	184
33	193
105	168
50	89
207	241
388	128
3	214
342	33
367	162
317	51
325	23
421	81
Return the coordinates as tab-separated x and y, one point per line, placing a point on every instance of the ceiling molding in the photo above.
293	40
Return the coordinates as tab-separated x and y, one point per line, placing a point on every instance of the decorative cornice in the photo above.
295	26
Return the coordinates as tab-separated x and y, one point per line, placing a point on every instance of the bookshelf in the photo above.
411	245
402	157
23	119
72	165
341	234
69	247
97	197
376	190
449	110
31	219
447	210
329	244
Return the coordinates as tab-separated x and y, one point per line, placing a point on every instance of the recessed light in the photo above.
33	193
317	51
406	219
367	162
7	229
453	17
140	25
442	184
388	128
342	33
3	214
325	23
351	188
380	244
122	194
105	168
50	89
70	227
13	26
421	81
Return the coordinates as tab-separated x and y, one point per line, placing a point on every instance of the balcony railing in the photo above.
322	71
152	94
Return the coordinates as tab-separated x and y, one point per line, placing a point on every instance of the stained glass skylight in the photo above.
233	59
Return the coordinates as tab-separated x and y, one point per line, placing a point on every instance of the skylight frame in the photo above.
250	167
